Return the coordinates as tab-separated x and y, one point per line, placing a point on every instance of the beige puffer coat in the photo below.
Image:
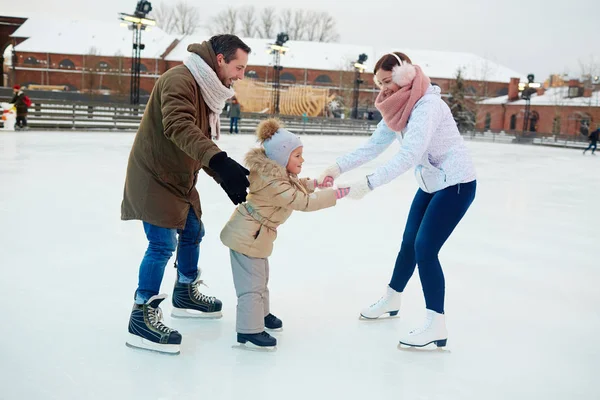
274	194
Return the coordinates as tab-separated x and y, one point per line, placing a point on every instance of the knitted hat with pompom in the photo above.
277	142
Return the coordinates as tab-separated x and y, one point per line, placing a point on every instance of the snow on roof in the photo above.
78	37
335	57
552	97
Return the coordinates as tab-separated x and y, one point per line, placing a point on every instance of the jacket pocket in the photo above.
178	183
430	178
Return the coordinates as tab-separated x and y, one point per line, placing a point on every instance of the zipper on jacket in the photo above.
423	179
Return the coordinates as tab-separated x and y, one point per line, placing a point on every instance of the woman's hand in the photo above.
328	176
358	189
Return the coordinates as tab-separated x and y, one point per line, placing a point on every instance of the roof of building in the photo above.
558	97
78	37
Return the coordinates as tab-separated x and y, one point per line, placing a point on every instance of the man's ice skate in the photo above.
189	302
432	331
273	323
257	341
388	304
146	331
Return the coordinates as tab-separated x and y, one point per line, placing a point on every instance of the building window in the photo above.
556	125
103	65
67	64
574	91
143	68
533	121
251	74
488	121
584	126
513	122
287	77
31	61
323	79
502	92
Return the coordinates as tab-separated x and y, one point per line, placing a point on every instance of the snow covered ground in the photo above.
522	277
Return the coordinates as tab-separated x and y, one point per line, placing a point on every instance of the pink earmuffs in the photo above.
402	75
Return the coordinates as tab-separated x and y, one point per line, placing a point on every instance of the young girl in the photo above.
275	191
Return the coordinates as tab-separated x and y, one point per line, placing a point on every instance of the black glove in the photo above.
233	176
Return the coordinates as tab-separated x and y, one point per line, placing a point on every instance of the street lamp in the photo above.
277	49
359	68
527	90
137	22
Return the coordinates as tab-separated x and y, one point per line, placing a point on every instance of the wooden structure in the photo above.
257	97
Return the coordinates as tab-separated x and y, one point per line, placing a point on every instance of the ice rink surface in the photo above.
522	276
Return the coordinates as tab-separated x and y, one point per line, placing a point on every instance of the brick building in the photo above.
90	56
565	110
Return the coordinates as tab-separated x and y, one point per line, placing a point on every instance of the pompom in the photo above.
267	128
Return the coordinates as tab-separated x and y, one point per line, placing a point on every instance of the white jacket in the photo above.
430	142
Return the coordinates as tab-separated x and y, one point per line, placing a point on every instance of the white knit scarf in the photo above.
214	93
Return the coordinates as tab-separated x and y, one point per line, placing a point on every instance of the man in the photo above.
593	141
172	144
21	104
235	111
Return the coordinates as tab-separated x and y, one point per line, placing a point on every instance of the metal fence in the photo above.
61	115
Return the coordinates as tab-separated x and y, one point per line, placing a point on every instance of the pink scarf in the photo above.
396	107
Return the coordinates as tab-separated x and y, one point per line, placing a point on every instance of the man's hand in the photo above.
233	176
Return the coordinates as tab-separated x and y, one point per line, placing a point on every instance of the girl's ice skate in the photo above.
388	304
257	341
432	331
273	323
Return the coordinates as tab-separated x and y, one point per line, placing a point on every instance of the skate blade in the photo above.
382	317
252	347
440	346
138	343
274	330
195	314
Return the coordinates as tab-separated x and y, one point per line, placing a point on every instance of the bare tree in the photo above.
326	28
267	23
248	22
181	18
224	22
312	29
90	76
298	25
121	82
285	20
164	16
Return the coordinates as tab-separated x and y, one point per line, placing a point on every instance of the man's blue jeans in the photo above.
162	242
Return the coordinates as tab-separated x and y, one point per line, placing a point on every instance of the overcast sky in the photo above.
539	37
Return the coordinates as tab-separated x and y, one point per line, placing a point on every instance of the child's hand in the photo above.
327	183
341	193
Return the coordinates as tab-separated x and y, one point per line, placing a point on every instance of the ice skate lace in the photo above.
378	302
155	317
199	296
426	325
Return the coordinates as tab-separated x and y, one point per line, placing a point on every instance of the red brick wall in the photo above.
342	82
569	117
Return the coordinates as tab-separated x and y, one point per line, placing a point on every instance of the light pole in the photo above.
359	68
137	22
528	89
277	49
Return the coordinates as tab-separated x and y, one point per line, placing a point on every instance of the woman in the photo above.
415	114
